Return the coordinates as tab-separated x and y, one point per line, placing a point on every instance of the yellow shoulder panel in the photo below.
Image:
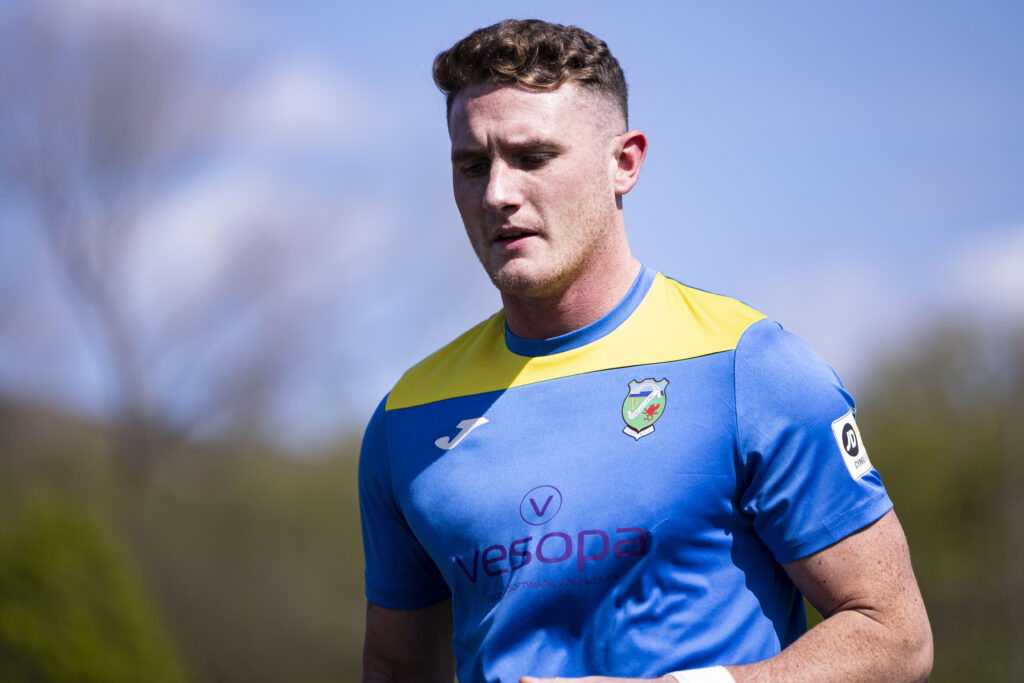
673	322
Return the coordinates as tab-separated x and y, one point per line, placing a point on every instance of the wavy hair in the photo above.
533	54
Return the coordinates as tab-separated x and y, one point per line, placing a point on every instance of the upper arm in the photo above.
869	569
400	572
408	645
400	644
868	572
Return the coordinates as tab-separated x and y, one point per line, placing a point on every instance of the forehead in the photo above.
484	111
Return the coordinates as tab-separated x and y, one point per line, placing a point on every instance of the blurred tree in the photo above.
256	559
944	424
102	115
71	606
91	126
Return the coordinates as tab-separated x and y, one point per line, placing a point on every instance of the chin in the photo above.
523	284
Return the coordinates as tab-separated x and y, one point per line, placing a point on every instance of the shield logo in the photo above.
644	404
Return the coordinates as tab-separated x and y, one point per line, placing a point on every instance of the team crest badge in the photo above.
643	406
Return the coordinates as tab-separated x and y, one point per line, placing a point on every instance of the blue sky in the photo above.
854	170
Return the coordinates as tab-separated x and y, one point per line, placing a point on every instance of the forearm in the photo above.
408	646
378	677
876	626
854	644
851	645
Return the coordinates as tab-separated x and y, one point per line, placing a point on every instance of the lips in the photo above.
511	234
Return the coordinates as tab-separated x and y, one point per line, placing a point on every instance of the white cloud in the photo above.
988	277
856	309
849	315
191	240
298	103
192	230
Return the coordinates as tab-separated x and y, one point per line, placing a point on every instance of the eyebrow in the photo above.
532	144
465	153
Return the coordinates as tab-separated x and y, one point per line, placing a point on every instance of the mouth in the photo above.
513	234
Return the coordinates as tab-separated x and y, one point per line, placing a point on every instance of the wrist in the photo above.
711	674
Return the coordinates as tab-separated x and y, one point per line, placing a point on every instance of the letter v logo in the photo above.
466	426
540	504
540	512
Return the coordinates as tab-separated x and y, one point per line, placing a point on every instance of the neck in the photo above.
591	295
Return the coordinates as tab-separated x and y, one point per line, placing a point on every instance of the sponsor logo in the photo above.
851	444
465	427
586	548
851	447
556	547
644	404
540	505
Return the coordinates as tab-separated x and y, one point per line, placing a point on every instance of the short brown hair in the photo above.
533	54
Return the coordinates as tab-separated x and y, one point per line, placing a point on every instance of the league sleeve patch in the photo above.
855	455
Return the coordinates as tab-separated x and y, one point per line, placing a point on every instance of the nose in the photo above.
503	192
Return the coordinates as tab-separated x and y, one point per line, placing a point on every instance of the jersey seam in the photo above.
741	452
553	379
391	478
382	587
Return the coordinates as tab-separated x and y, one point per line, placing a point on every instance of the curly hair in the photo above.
533	54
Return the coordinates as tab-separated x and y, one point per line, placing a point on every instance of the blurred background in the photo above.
227	228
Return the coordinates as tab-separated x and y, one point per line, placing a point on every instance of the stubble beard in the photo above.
582	235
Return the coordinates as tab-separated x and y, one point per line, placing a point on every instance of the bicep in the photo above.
408	645
869	571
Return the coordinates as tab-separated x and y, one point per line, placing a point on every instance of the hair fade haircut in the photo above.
532	54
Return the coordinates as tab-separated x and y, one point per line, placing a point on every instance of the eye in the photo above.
534	160
474	168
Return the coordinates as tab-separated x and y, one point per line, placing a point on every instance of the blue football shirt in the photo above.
617	500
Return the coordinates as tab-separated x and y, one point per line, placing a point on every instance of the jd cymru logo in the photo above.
644	404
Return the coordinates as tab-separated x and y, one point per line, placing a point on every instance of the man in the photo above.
616	475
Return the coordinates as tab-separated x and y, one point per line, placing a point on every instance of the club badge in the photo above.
643	406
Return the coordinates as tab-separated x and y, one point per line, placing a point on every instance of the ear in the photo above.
630	150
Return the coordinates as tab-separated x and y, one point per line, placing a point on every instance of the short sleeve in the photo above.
399	572
791	410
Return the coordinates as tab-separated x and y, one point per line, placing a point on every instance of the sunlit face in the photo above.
533	179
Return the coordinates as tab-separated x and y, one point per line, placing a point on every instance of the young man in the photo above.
616	475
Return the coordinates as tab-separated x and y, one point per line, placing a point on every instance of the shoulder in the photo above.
688	321
449	371
778	364
713	313
769	360
807	479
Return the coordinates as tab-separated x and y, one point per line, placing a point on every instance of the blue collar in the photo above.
590	333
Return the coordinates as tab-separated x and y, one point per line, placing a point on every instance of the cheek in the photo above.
583	180
466	200
552	192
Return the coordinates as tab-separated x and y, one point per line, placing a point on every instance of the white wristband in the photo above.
712	674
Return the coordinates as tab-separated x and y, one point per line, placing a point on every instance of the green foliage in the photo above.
943	424
258	561
253	557
71	606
